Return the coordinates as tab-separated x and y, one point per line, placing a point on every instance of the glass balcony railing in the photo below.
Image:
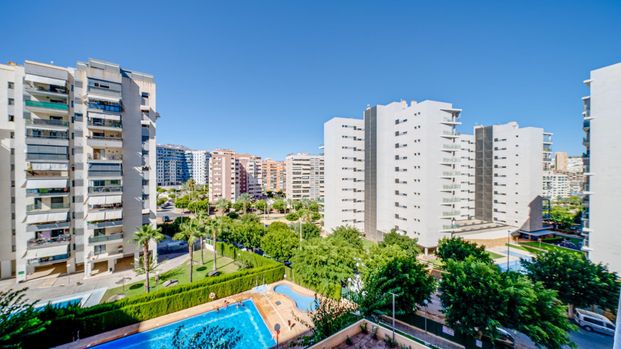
36	156
52	206
108	189
105	238
47	135
105	123
47	192
47	105
63	239
46	122
451	186
105	157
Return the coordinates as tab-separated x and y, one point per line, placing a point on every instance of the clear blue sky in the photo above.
263	76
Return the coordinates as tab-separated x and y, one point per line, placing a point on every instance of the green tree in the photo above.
378	257
472	295
562	216
209	336
329	317
280	243
189	232
279	205
459	249
348	234
407	243
578	281
248	231
182	202
222	205
325	264
143	237
310	231
245	200
292	216
403	276
261	205
18	318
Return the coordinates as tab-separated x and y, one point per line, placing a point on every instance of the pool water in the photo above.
246	319
61	304
302	302
515	265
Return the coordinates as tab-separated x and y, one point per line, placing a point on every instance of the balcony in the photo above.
47	105
586	124
449	161
451	187
51	91
39	208
450	174
105	214
46	123
99	157
47	192
114	125
450	214
105	224
46	217
104	256
47	256
49	226
106	189
449	134
451	147
60	240
450	121
104	142
451	200
105	239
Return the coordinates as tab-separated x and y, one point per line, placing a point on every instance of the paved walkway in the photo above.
55	287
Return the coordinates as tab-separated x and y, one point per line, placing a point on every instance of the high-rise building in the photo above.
79	144
466	174
602	166
509	166
344	173
575	174
412	170
172	165
560	162
198	165
304	176
274	176
557	185
232	174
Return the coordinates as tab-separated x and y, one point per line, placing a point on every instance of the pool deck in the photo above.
274	308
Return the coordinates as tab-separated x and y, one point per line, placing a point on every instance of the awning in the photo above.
42	166
46	183
104	116
45	80
47	251
46	217
92	95
101	200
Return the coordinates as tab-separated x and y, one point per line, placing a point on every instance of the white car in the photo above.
591	321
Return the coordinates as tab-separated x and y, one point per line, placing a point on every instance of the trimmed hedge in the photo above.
85	322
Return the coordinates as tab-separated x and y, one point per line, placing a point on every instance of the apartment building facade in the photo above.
412	174
274	176
509	165
560	162
344	173
556	185
602	188
198	165
232	174
80	142
304	176
173	168
466	174
575	175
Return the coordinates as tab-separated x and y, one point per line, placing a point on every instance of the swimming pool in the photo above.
515	265
302	302
246	319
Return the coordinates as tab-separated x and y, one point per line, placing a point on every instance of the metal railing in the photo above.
52	206
51	122
104	238
107	189
49	242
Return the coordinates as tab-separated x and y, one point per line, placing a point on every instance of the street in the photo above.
591	340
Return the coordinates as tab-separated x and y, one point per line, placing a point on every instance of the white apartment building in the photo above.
79	149
344	173
509	167
198	165
556	185
602	165
412	170
304	176
466	176
575	174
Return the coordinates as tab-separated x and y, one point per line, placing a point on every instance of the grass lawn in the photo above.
225	265
523	248
546	247
494	255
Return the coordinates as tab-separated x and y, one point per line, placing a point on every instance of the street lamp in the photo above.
277	330
393	315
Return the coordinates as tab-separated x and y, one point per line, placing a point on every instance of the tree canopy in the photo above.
406	243
280	243
348	234
18	318
458	249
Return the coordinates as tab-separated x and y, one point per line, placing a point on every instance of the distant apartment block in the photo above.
575	174
557	185
198	165
78	146
232	174
509	167
560	162
172	165
274	176
602	190
466	174
304	176
344	173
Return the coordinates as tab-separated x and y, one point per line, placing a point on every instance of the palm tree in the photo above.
211	227
245	199
202	221
188	232
222	205
143	237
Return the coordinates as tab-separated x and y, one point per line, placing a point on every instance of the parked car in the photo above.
591	321
167	219
504	339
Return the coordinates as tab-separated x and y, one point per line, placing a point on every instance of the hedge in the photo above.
85	322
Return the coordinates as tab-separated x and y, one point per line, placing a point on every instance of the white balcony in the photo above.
105	199
104	215
49	251
46	183
47	217
115	238
104	142
106	256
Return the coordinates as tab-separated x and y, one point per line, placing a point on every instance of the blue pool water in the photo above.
62	304
246	319
304	303
515	265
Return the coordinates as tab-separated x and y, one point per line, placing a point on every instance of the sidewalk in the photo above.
61	286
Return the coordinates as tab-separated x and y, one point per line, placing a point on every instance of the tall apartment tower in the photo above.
274	175
602	165
249	175
557	185
79	144
198	165
412	175
509	167
466	195
232	174
172	165
560	162
344	173
305	176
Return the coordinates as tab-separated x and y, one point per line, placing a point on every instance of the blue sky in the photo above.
263	76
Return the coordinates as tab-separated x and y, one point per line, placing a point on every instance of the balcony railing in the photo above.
36	156
451	173
51	89
451	200
103	158
53	206
105	238
107	189
451	160
451	146
47	105
450	213
47	122
106	138
47	192
54	241
451	186
105	123
47	135
105	224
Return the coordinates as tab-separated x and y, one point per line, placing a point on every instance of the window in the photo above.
593	321
11	85
11	117
11	101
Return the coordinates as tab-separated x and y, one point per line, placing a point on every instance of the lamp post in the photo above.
277	330
508	245
393	315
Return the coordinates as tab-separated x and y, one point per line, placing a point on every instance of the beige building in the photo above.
232	174
274	175
304	176
80	142
560	162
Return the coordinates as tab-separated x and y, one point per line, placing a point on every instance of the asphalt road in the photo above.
591	340
170	212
